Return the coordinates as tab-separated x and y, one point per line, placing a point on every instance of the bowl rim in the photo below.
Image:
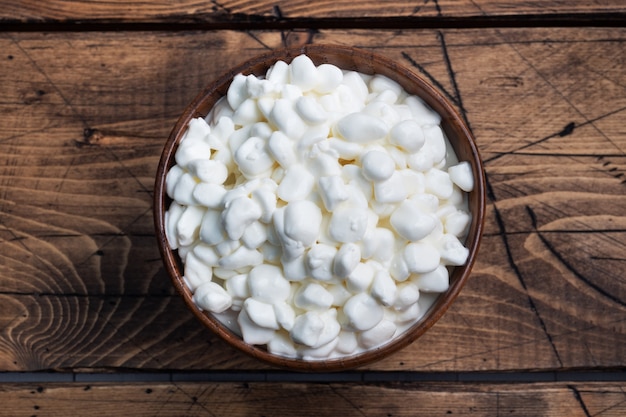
412	83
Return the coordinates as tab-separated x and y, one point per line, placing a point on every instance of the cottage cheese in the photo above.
316	210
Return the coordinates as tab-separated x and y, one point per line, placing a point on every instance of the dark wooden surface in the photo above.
335	399
233	12
86	106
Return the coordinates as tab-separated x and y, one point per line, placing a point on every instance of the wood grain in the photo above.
316	399
84	119
231	12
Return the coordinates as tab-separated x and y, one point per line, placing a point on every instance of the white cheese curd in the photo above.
317	210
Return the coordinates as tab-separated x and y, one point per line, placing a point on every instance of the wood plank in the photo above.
315	399
232	12
84	119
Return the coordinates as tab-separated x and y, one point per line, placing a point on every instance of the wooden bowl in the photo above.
347	58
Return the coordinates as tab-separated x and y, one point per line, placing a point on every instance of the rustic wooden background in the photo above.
88	94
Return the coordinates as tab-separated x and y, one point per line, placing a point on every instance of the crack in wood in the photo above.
45	75
611	407
430	77
354	406
87	130
567	128
276	11
437	7
452	75
608	258
518	274
257	40
613	171
113	236
579	400
219	6
194	399
562	95
577	274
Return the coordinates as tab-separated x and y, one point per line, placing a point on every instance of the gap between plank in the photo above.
268	22
342	377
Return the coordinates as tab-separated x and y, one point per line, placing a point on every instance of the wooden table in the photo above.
89	323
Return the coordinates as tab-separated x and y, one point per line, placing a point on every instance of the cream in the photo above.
316	210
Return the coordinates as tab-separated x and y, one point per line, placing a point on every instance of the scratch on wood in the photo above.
560	93
23	134
354	406
473	330
518	274
590	354
259	41
482	12
49	80
437	7
129	171
219	6
310	35
607	258
553	135
579	400
123	233
612	170
533	217
428	75
498	404
194	400
577	274
277	12
70	165
87	128
577	331
452	74
611	407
